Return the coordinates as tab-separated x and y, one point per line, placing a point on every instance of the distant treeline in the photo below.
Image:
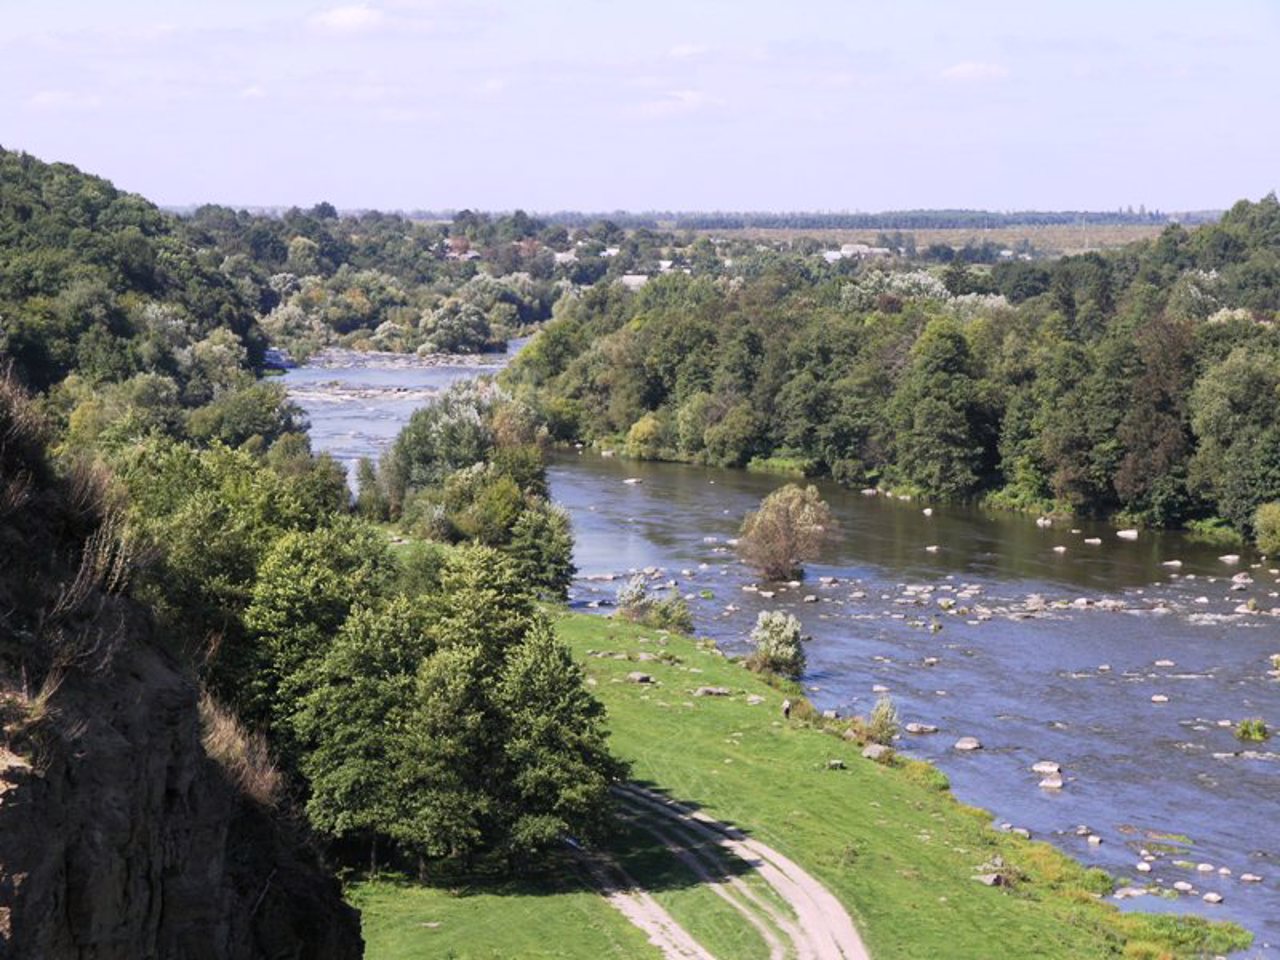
802	220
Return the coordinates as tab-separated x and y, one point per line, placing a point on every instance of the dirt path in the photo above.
642	910
753	908
821	928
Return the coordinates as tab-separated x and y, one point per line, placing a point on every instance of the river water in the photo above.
973	622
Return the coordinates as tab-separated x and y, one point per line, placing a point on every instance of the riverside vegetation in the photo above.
1139	382
418	708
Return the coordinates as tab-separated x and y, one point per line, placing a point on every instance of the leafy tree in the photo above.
542	548
1233	414
351	722
307	584
1266	526
456	725
940	437
644	439
261	410
371	501
787	531
451	433
557	747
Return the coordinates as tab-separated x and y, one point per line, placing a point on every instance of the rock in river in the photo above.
920	728
965	744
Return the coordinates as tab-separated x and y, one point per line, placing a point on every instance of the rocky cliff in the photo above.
120	836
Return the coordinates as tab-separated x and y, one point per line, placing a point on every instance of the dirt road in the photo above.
795	915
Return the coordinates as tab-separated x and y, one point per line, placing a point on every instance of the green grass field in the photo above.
889	841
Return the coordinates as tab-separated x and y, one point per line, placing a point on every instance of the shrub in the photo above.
644	439
882	726
1266	526
637	604
632	596
779	644
1253	729
789	528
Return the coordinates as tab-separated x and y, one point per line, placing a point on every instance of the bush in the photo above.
637	604
882	726
779	644
1253	729
790	528
644	439
1266	527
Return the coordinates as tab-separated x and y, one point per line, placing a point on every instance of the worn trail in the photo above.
821	928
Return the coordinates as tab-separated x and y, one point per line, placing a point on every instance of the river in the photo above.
973	622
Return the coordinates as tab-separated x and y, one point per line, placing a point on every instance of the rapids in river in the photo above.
1127	662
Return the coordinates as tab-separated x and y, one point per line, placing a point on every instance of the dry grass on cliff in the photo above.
243	756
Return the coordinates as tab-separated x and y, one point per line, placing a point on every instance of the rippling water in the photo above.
1042	654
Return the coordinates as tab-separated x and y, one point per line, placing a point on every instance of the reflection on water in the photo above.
1042	654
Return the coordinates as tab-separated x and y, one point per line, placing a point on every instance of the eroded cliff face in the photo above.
120	838
125	841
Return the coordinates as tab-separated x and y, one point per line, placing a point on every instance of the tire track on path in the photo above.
709	870
826	932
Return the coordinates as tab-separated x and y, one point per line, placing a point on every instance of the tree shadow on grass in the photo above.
644	851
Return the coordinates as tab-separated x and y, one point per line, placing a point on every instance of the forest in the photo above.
1140	383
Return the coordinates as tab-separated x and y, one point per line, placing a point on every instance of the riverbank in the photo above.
888	840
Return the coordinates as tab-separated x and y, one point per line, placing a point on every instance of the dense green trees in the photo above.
1136	382
457	726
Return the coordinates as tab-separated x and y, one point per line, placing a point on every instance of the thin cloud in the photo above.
253	92
62	100
686	51
969	71
358	18
677	103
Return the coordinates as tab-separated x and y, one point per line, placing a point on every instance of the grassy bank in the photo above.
889	841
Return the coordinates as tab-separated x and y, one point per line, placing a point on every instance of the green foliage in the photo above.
789	529
361	699
882	725
440	438
639	605
258	410
1095	384
456	725
1266	527
940	434
1252	729
779	645
419	568
1233	415
644	439
307	584
542	549
556	746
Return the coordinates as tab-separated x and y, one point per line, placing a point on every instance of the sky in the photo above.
600	105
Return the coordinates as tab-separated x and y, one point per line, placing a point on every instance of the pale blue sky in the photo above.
696	104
